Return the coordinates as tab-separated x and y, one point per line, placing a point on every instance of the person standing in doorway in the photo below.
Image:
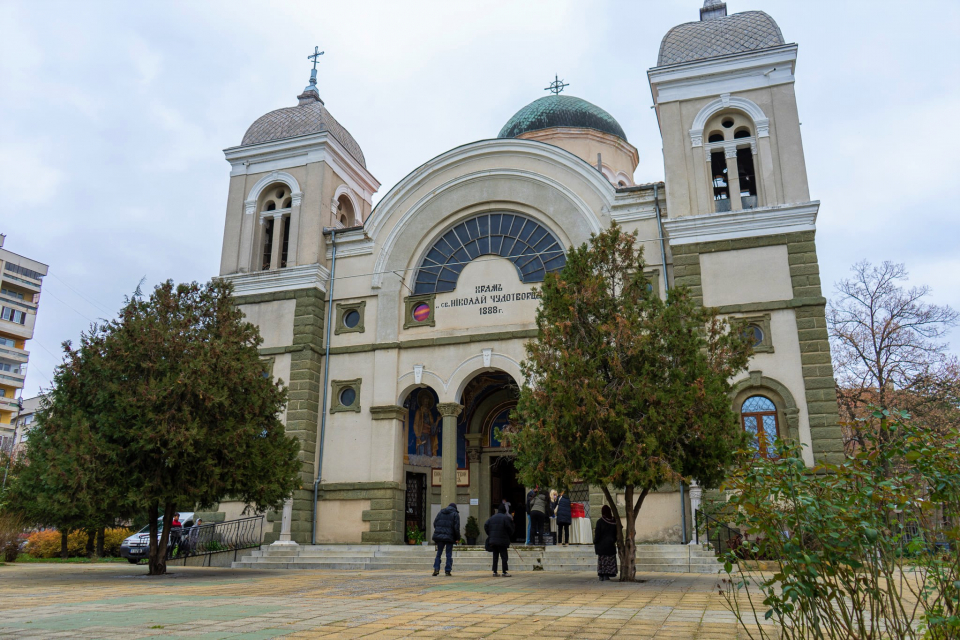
446	531
499	530
605	544
564	518
530	496
538	515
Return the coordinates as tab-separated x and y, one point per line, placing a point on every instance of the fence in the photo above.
216	537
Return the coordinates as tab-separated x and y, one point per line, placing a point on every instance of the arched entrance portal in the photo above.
488	399
485	471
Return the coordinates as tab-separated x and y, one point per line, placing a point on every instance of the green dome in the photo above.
561	111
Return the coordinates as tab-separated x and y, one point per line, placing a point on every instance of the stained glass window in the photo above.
532	249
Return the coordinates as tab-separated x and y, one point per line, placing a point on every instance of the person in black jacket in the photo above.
446	531
499	530
539	512
564	519
605	544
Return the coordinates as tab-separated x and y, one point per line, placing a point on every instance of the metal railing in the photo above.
215	537
720	535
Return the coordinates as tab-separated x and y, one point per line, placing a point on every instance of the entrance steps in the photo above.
651	558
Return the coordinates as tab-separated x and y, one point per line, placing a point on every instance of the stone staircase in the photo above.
651	558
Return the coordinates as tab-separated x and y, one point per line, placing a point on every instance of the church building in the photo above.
399	328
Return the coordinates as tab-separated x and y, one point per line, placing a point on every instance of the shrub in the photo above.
867	548
46	544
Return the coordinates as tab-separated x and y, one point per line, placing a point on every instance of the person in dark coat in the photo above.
446	531
499	530
539	512
605	544
564	519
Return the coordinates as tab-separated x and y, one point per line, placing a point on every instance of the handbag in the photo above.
487	546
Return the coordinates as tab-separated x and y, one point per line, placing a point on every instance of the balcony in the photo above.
11	379
9	404
14	354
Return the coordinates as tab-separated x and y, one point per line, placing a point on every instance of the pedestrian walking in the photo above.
564	519
538	515
530	496
446	531
605	544
499	530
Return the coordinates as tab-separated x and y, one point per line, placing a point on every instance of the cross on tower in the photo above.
556	86
315	56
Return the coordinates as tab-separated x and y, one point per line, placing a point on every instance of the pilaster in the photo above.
448	473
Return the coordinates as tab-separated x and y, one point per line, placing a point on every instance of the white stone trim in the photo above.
250	204
354	242
724	74
394	234
726	101
287	279
747	223
299	151
483	149
352	196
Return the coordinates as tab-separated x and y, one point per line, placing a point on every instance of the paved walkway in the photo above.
120	601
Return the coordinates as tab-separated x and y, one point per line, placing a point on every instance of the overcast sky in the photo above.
114	115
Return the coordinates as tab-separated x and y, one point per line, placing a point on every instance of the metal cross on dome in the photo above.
315	56
556	86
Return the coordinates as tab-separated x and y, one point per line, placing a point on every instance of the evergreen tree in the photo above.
166	407
625	391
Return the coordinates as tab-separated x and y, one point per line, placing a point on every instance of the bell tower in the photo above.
739	219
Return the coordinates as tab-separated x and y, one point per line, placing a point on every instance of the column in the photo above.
765	174
294	223
286	520
696	495
245	261
473	462
277	247
448	468
733	178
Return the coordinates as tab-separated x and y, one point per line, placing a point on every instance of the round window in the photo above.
348	395
421	312
351	318
755	333
727	123
280	191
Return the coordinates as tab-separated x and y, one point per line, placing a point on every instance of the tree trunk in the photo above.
64	551
628	563
91	539
158	544
101	536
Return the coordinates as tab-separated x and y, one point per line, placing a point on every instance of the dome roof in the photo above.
310	116
747	31
561	111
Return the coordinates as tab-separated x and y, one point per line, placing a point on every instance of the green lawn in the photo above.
26	557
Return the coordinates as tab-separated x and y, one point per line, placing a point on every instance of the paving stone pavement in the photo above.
118	601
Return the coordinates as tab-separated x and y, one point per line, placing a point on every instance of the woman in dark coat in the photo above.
499	530
564	518
605	544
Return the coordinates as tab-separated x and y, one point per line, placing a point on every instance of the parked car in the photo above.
137	547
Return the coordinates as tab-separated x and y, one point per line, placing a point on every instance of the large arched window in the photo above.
759	417
532	248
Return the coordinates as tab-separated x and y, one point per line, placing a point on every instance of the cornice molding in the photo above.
350	243
747	223
724	74
302	277
301	150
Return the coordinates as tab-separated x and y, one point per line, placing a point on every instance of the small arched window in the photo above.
743	132
715	137
758	415
345	213
271	206
287	203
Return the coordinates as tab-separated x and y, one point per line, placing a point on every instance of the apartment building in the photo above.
20	282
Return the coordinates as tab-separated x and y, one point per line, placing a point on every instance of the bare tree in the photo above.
888	343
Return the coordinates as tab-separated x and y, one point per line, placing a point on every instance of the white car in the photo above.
137	546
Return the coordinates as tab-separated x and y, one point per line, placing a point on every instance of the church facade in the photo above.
399	329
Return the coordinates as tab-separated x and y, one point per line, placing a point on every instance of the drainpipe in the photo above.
326	383
666	287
